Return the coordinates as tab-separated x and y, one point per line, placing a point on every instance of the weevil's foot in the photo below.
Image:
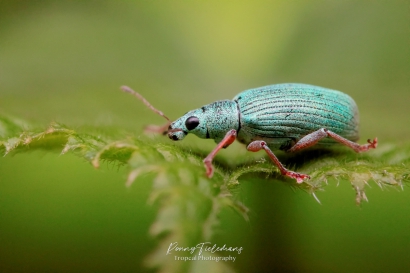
372	144
300	177
209	169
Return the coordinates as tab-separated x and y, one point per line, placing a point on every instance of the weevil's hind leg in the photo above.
313	138
356	147
258	145
226	141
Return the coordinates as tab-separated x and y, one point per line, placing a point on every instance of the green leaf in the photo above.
188	204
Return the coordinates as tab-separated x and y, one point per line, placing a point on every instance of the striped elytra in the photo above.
282	112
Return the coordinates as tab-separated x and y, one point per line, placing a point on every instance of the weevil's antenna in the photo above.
132	92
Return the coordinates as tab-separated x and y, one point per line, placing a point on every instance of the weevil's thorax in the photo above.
221	116
210	121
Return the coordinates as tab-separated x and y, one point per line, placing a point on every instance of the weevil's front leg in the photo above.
157	129
313	138
258	145
226	141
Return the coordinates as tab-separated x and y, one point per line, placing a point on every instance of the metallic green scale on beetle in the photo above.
290	117
283	112
276	114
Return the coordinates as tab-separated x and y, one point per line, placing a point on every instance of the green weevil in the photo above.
289	117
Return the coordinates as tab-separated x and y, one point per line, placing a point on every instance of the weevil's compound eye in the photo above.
191	123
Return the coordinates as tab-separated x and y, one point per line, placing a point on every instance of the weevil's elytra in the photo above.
289	111
289	116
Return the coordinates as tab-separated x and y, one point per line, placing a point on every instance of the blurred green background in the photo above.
65	60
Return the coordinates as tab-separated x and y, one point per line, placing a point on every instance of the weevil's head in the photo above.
210	121
192	122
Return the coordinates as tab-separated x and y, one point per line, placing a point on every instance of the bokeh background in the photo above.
65	60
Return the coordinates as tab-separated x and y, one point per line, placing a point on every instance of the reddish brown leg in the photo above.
313	138
258	145
157	129
226	141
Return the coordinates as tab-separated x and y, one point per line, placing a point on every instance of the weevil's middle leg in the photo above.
258	145
226	141
313	138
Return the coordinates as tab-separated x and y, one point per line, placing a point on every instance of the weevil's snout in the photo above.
188	123
176	133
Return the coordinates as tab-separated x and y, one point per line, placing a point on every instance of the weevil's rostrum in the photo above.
290	117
